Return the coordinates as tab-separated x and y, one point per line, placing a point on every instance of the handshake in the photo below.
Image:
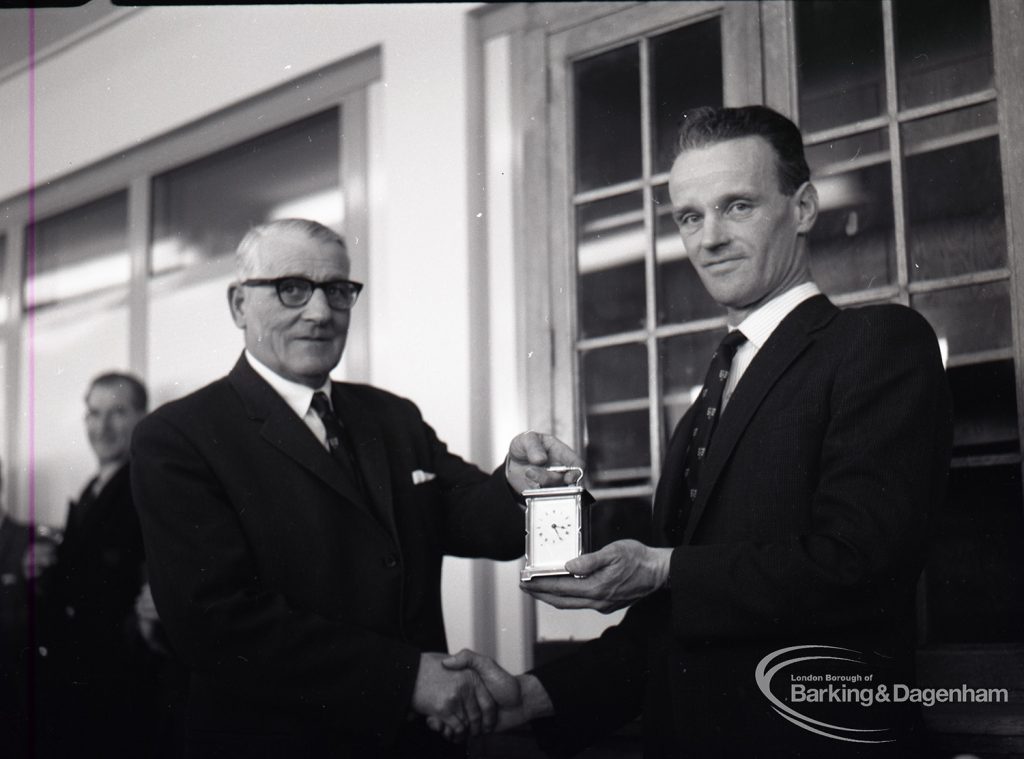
469	694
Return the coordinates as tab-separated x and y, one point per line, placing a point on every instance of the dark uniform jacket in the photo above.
92	666
301	604
810	530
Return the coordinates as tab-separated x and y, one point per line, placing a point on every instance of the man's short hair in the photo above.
705	126
244	259
140	398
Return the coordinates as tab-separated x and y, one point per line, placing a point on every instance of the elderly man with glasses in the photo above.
295	529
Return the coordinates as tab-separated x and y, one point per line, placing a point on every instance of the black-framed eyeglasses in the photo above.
295	292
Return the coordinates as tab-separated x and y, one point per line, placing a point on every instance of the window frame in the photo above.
741	82
545	259
548	309
343	85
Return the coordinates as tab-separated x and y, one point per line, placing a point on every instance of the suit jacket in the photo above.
810	529
94	691
88	595
300	606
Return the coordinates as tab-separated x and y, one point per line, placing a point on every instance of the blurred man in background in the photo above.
94	670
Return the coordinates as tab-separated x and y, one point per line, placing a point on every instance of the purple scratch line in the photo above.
30	251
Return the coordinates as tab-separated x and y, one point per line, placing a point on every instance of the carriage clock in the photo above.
556	526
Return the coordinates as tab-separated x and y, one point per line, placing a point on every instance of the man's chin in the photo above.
317	372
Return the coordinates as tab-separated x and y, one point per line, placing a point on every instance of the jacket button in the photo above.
390	561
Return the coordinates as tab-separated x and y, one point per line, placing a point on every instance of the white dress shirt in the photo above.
298	397
759	326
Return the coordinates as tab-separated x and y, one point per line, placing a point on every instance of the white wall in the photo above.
163	67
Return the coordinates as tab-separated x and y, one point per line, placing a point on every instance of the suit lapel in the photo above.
280	427
793	335
371	454
95	507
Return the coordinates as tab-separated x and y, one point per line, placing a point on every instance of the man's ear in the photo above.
806	198
236	302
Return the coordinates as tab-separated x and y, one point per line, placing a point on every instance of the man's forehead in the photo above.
108	395
740	165
289	249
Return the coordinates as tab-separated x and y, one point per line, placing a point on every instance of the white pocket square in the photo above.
419	476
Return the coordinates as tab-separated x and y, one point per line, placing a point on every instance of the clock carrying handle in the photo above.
560	468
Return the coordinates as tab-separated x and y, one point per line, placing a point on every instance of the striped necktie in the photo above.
706	414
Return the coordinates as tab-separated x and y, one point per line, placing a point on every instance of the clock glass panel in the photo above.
555	535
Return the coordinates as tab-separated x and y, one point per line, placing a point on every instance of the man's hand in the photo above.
528	455
519	698
149	620
453	701
37	558
616	576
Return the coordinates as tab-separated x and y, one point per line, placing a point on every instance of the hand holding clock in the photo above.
530	453
606	580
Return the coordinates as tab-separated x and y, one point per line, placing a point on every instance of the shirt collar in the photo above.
296	395
760	324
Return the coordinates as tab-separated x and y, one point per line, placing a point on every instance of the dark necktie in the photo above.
708	409
337	440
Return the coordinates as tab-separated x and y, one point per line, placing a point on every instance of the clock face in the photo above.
554	532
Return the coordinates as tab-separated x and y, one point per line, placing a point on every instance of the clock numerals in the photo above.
554	530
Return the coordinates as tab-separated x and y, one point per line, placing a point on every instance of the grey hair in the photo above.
245	264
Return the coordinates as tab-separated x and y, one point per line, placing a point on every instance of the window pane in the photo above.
614	519
852	243
79	251
614	374
985	404
681	295
3	275
976	574
954	191
943	50
694	48
610	256
5	459
607	118
975	577
72	344
969	319
684	361
178	363
840	62
618	447
201	210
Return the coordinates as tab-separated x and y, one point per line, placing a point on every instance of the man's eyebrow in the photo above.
682	210
739	195
723	202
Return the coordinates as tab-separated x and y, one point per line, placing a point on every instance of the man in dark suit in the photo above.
295	529
93	665
792	515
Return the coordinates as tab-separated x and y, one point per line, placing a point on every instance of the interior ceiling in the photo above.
52	25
